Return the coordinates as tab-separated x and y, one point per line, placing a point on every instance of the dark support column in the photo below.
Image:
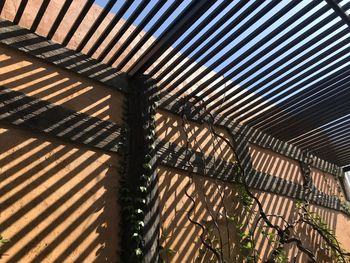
308	185
140	188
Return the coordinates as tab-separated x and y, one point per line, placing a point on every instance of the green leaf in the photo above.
242	235
248	245
147	166
138	211
3	240
152	147
136	236
138	252
271	235
143	189
145	178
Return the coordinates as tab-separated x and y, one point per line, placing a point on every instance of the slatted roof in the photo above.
279	66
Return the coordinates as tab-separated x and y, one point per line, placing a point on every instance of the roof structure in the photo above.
278	66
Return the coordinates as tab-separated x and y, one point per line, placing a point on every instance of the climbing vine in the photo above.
277	235
126	198
137	173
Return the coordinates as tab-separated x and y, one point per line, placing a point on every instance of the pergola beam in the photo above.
339	10
192	12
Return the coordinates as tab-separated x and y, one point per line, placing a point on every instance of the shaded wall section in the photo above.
58	200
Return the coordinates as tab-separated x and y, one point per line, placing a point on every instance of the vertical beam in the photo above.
308	184
141	205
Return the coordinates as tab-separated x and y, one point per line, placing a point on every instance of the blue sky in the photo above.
242	36
223	51
269	87
147	9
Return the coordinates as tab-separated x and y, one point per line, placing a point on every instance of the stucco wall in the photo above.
41	80
58	200
181	238
272	163
169	127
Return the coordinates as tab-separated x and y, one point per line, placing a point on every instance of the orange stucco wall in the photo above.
181	238
58	200
169	127
275	164
38	79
